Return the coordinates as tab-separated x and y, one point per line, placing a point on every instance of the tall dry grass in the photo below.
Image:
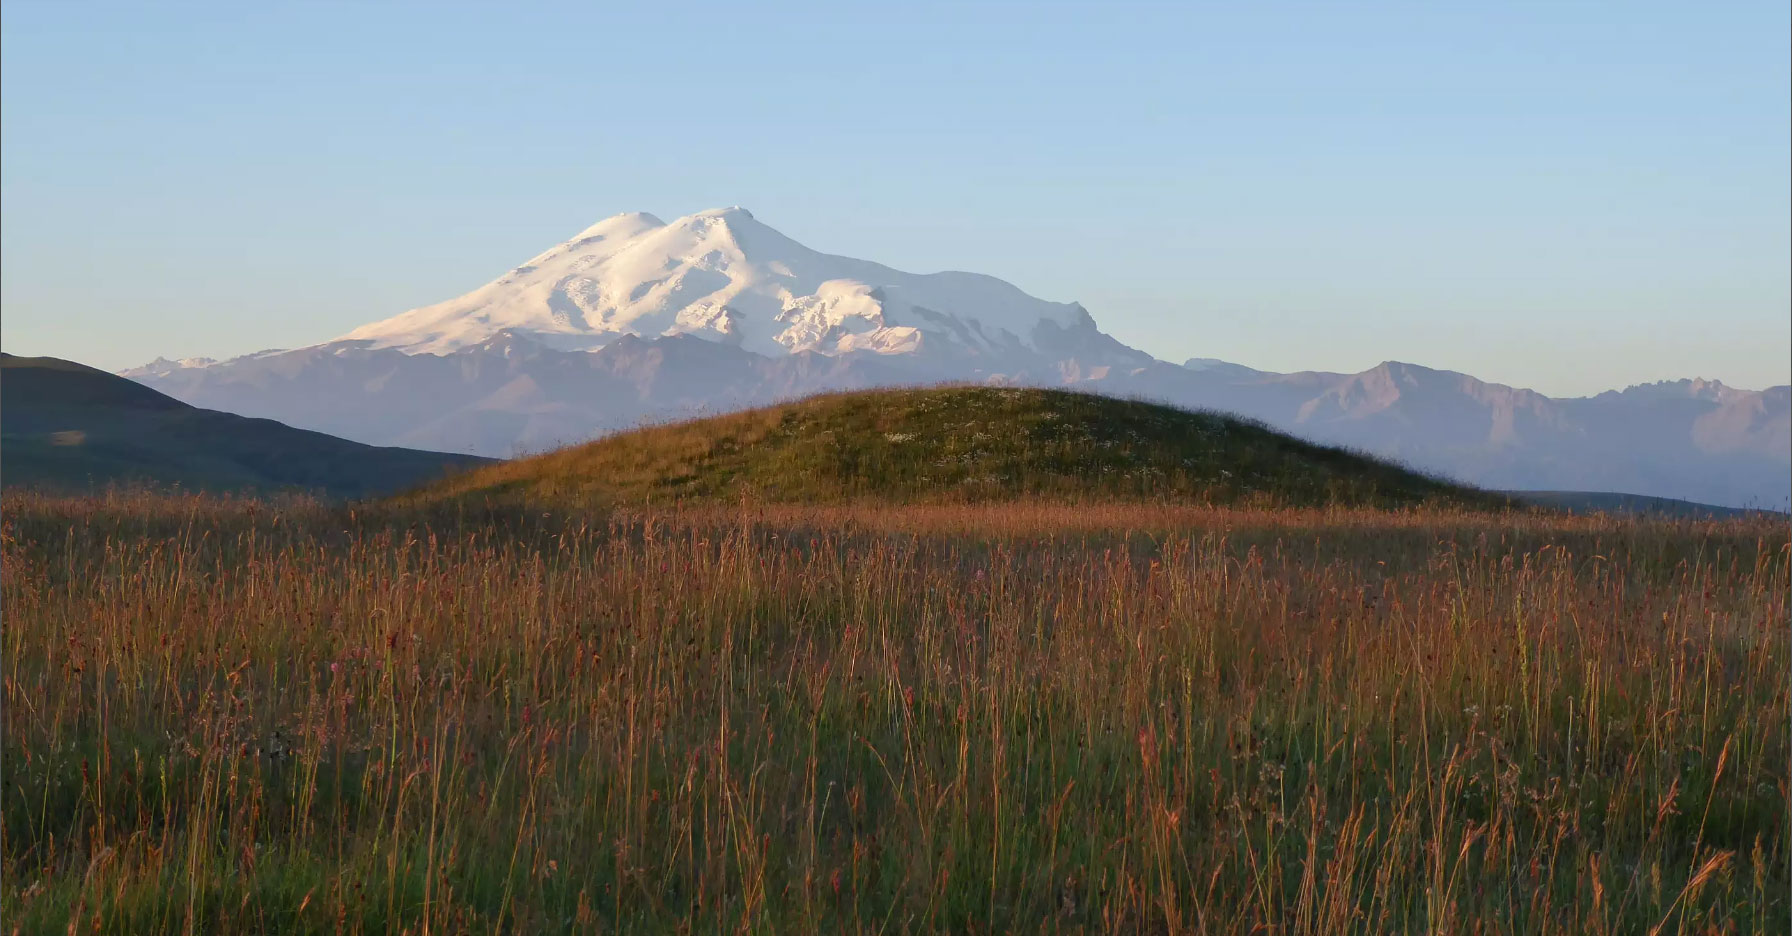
247	717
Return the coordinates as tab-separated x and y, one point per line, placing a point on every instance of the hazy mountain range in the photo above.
635	320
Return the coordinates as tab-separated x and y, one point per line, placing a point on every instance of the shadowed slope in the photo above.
957	444
68	426
1594	502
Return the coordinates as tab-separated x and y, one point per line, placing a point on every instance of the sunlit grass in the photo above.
242	716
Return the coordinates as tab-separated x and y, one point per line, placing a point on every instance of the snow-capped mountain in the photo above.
635	320
724	276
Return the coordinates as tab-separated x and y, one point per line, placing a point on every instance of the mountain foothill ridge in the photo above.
637	320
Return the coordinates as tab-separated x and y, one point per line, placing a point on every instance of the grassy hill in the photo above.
66	426
956	444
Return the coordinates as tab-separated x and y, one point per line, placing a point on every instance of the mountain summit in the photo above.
724	276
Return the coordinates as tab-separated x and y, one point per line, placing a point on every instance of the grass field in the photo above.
229	716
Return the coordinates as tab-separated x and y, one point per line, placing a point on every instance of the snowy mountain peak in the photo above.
1697	388
725	276
161	367
623	225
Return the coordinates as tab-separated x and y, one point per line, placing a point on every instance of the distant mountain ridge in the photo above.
1689	439
636	320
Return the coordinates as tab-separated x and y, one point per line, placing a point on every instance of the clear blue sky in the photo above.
1567	196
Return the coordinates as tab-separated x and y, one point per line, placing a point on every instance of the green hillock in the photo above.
956	444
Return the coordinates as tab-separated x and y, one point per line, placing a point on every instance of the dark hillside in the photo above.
66	426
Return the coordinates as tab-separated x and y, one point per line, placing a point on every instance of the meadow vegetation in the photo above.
280	716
